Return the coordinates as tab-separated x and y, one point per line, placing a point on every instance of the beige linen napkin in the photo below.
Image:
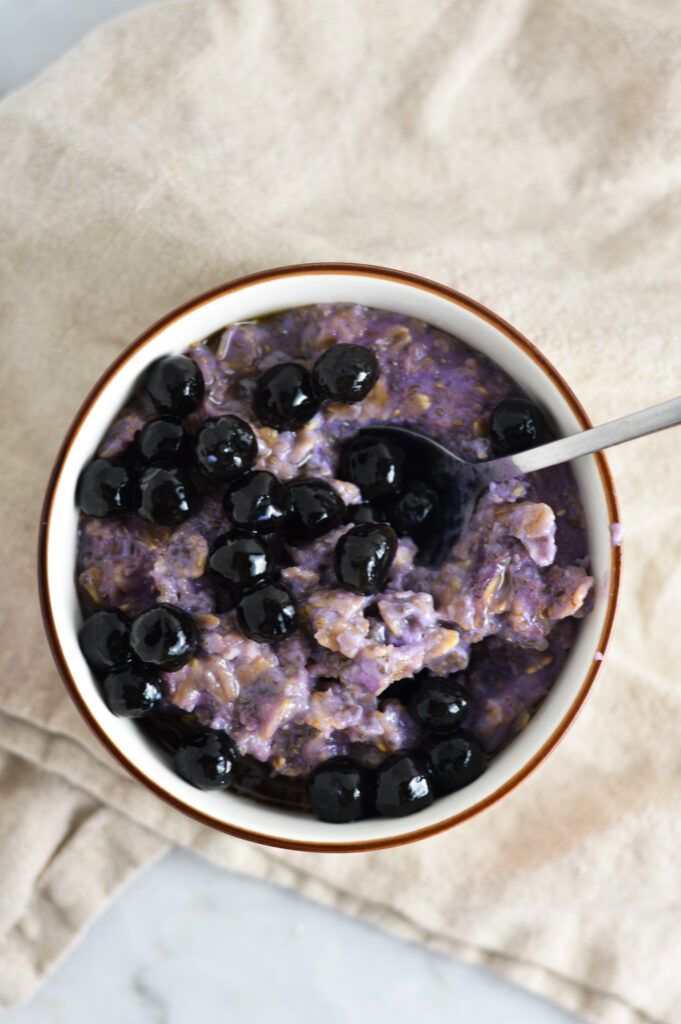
524	152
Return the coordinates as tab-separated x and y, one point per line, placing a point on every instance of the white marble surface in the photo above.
186	941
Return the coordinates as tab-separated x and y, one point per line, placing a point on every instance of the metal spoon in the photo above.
462	482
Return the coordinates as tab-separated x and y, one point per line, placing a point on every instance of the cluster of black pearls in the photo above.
448	758
162	483
288	395
128	654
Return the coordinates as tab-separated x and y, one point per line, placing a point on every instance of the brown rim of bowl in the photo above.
243	282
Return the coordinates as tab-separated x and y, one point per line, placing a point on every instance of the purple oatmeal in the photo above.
497	617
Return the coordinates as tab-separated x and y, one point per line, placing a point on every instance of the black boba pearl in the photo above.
285	397
361	513
162	440
364	556
416	512
240	560
313	508
517	424
170	726
256	502
255	779
455	761
164	637
132	691
267	613
106	488
336	790
224	448
346	373
175	385
104	639
402	786
374	465
207	760
167	496
439	704
402	690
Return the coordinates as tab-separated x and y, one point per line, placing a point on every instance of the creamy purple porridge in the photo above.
497	617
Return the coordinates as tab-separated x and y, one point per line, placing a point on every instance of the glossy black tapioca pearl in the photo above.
282	556
164	637
240	560
255	779
337	790
207	760
374	465
163	440
402	786
106	487
455	761
256	502
362	512
132	691
267	613
167	496
416	513
313	508
517	424
176	385
439	703
346	373
402	690
104	639
224	448
171	726
363	557
285	397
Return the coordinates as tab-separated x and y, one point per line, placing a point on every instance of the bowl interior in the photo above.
244	300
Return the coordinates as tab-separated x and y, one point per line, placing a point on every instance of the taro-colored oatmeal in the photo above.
503	609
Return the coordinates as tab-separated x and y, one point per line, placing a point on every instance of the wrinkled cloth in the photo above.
523	152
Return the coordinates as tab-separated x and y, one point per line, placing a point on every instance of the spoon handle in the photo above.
637	424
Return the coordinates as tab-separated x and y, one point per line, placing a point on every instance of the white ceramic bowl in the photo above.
258	295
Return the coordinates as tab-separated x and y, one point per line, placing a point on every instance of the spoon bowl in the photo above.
460	483
455	481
